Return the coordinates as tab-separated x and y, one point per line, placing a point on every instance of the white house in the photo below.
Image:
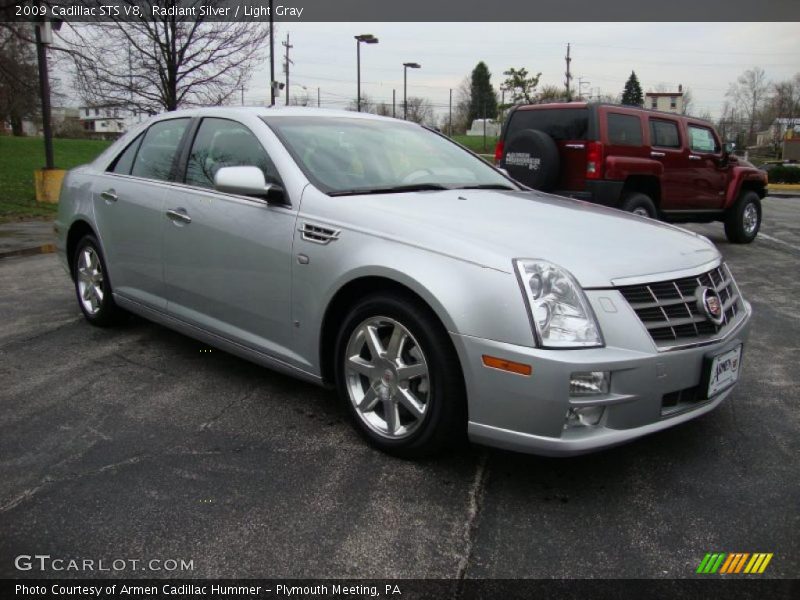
492	128
665	101
110	119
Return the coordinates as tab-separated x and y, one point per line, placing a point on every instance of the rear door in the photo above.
668	147
128	204
707	176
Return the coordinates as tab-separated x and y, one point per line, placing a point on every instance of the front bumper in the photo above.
528	413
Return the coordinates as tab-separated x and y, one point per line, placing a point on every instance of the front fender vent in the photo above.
319	234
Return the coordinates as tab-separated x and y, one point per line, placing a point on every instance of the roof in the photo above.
662	94
267	111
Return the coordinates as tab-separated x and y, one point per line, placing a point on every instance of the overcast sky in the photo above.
705	57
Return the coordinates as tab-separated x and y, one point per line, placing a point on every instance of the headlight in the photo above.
559	310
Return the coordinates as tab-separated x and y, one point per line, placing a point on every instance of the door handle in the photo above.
109	195
179	214
657	154
694	157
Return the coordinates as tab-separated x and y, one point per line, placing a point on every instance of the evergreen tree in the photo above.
632	95
483	99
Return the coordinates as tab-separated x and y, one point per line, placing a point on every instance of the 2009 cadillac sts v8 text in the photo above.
438	295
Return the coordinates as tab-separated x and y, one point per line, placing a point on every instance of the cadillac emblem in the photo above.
709	304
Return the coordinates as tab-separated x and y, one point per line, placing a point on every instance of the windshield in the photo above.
350	156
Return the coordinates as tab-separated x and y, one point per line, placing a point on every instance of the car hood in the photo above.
490	228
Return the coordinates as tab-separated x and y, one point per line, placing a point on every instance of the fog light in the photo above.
585	416
591	383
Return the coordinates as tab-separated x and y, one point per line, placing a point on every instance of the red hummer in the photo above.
655	164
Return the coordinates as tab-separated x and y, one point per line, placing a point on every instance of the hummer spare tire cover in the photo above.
531	157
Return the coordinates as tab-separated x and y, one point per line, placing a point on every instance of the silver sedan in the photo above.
439	297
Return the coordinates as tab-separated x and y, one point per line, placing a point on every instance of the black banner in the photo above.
405	11
406	589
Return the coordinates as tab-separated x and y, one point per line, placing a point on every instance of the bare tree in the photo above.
463	98
163	62
688	101
748	94
420	111
19	95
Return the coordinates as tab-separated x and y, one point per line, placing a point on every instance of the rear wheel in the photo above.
639	204
744	218
399	377
91	284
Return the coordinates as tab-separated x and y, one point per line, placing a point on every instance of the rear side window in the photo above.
124	161
157	151
702	140
559	124
624	130
664	134
223	143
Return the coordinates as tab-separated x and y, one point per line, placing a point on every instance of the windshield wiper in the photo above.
394	189
486	186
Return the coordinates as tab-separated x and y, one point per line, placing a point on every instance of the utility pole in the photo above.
271	57
318	104
242	95
286	64
450	116
394	114
569	75
484	124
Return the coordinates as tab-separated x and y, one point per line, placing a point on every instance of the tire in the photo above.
531	157
92	287
743	219
639	204
438	396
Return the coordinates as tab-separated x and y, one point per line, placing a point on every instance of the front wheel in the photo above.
399	376
744	218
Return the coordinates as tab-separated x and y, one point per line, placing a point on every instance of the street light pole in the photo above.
44	90
366	38
406	67
271	57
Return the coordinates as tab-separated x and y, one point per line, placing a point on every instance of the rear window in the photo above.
559	124
624	130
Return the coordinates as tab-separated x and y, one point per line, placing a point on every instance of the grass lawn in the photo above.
475	143
20	156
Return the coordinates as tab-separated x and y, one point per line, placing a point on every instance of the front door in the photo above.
708	177
227	258
667	148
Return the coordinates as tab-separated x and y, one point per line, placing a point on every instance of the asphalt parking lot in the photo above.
138	443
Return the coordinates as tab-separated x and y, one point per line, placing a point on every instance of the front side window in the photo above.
350	156
702	140
223	143
664	134
157	153
624	130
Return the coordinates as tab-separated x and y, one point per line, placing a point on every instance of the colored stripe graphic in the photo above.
735	562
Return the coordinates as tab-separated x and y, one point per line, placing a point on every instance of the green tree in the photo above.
632	94
483	99
520	87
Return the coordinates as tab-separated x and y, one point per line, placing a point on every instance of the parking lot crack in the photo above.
239	400
476	495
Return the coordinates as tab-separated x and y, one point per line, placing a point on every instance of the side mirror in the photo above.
728	148
248	181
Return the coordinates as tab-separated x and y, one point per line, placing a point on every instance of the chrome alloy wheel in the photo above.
90	280
387	379
750	218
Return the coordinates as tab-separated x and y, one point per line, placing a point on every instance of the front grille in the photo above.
670	312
